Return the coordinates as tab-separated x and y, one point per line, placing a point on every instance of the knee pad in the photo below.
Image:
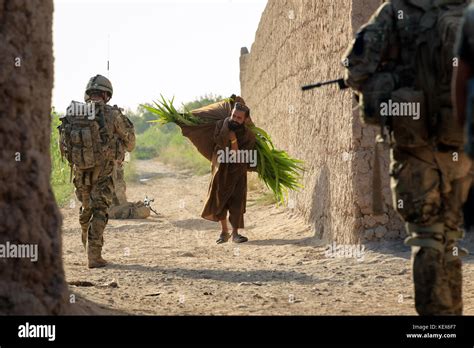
453	250
426	236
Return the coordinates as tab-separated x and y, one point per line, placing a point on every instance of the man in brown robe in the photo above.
228	187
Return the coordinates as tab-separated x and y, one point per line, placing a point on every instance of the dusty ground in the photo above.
170	264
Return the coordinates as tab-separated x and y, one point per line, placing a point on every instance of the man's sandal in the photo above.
239	238
223	238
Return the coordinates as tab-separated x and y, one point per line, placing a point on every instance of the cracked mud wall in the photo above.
300	42
28	211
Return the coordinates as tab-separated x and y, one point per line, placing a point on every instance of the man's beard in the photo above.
234	125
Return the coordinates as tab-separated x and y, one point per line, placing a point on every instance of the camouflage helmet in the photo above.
100	83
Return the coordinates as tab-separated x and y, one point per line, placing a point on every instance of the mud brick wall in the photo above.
28	210
300	42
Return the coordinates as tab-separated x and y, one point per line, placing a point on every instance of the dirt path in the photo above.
170	264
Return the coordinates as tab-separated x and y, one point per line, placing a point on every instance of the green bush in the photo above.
168	144
181	153
150	143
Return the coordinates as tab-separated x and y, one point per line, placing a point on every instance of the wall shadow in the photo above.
320	215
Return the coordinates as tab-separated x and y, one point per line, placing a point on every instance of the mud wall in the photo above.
28	211
299	42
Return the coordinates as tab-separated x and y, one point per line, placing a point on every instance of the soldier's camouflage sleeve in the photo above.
126	131
370	47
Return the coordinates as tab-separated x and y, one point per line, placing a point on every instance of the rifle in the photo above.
147	201
340	82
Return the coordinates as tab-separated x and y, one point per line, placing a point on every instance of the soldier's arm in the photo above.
126	131
371	47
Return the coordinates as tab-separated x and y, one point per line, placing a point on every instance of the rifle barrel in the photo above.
340	82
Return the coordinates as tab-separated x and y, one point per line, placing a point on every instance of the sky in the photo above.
180	48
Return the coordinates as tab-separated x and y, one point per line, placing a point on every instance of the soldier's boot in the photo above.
454	253
454	274
96	241
432	291
94	257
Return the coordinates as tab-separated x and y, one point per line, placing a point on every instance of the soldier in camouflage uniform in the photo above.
94	186
403	55
465	69
120	207
464	72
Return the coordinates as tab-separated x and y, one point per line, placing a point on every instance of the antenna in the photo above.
108	56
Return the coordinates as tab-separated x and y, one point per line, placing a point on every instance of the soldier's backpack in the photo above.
83	135
129	210
439	54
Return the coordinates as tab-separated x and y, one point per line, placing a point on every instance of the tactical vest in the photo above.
87	136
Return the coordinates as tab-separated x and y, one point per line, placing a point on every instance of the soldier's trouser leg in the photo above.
454	274
101	195
85	212
453	201
416	191
439	185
